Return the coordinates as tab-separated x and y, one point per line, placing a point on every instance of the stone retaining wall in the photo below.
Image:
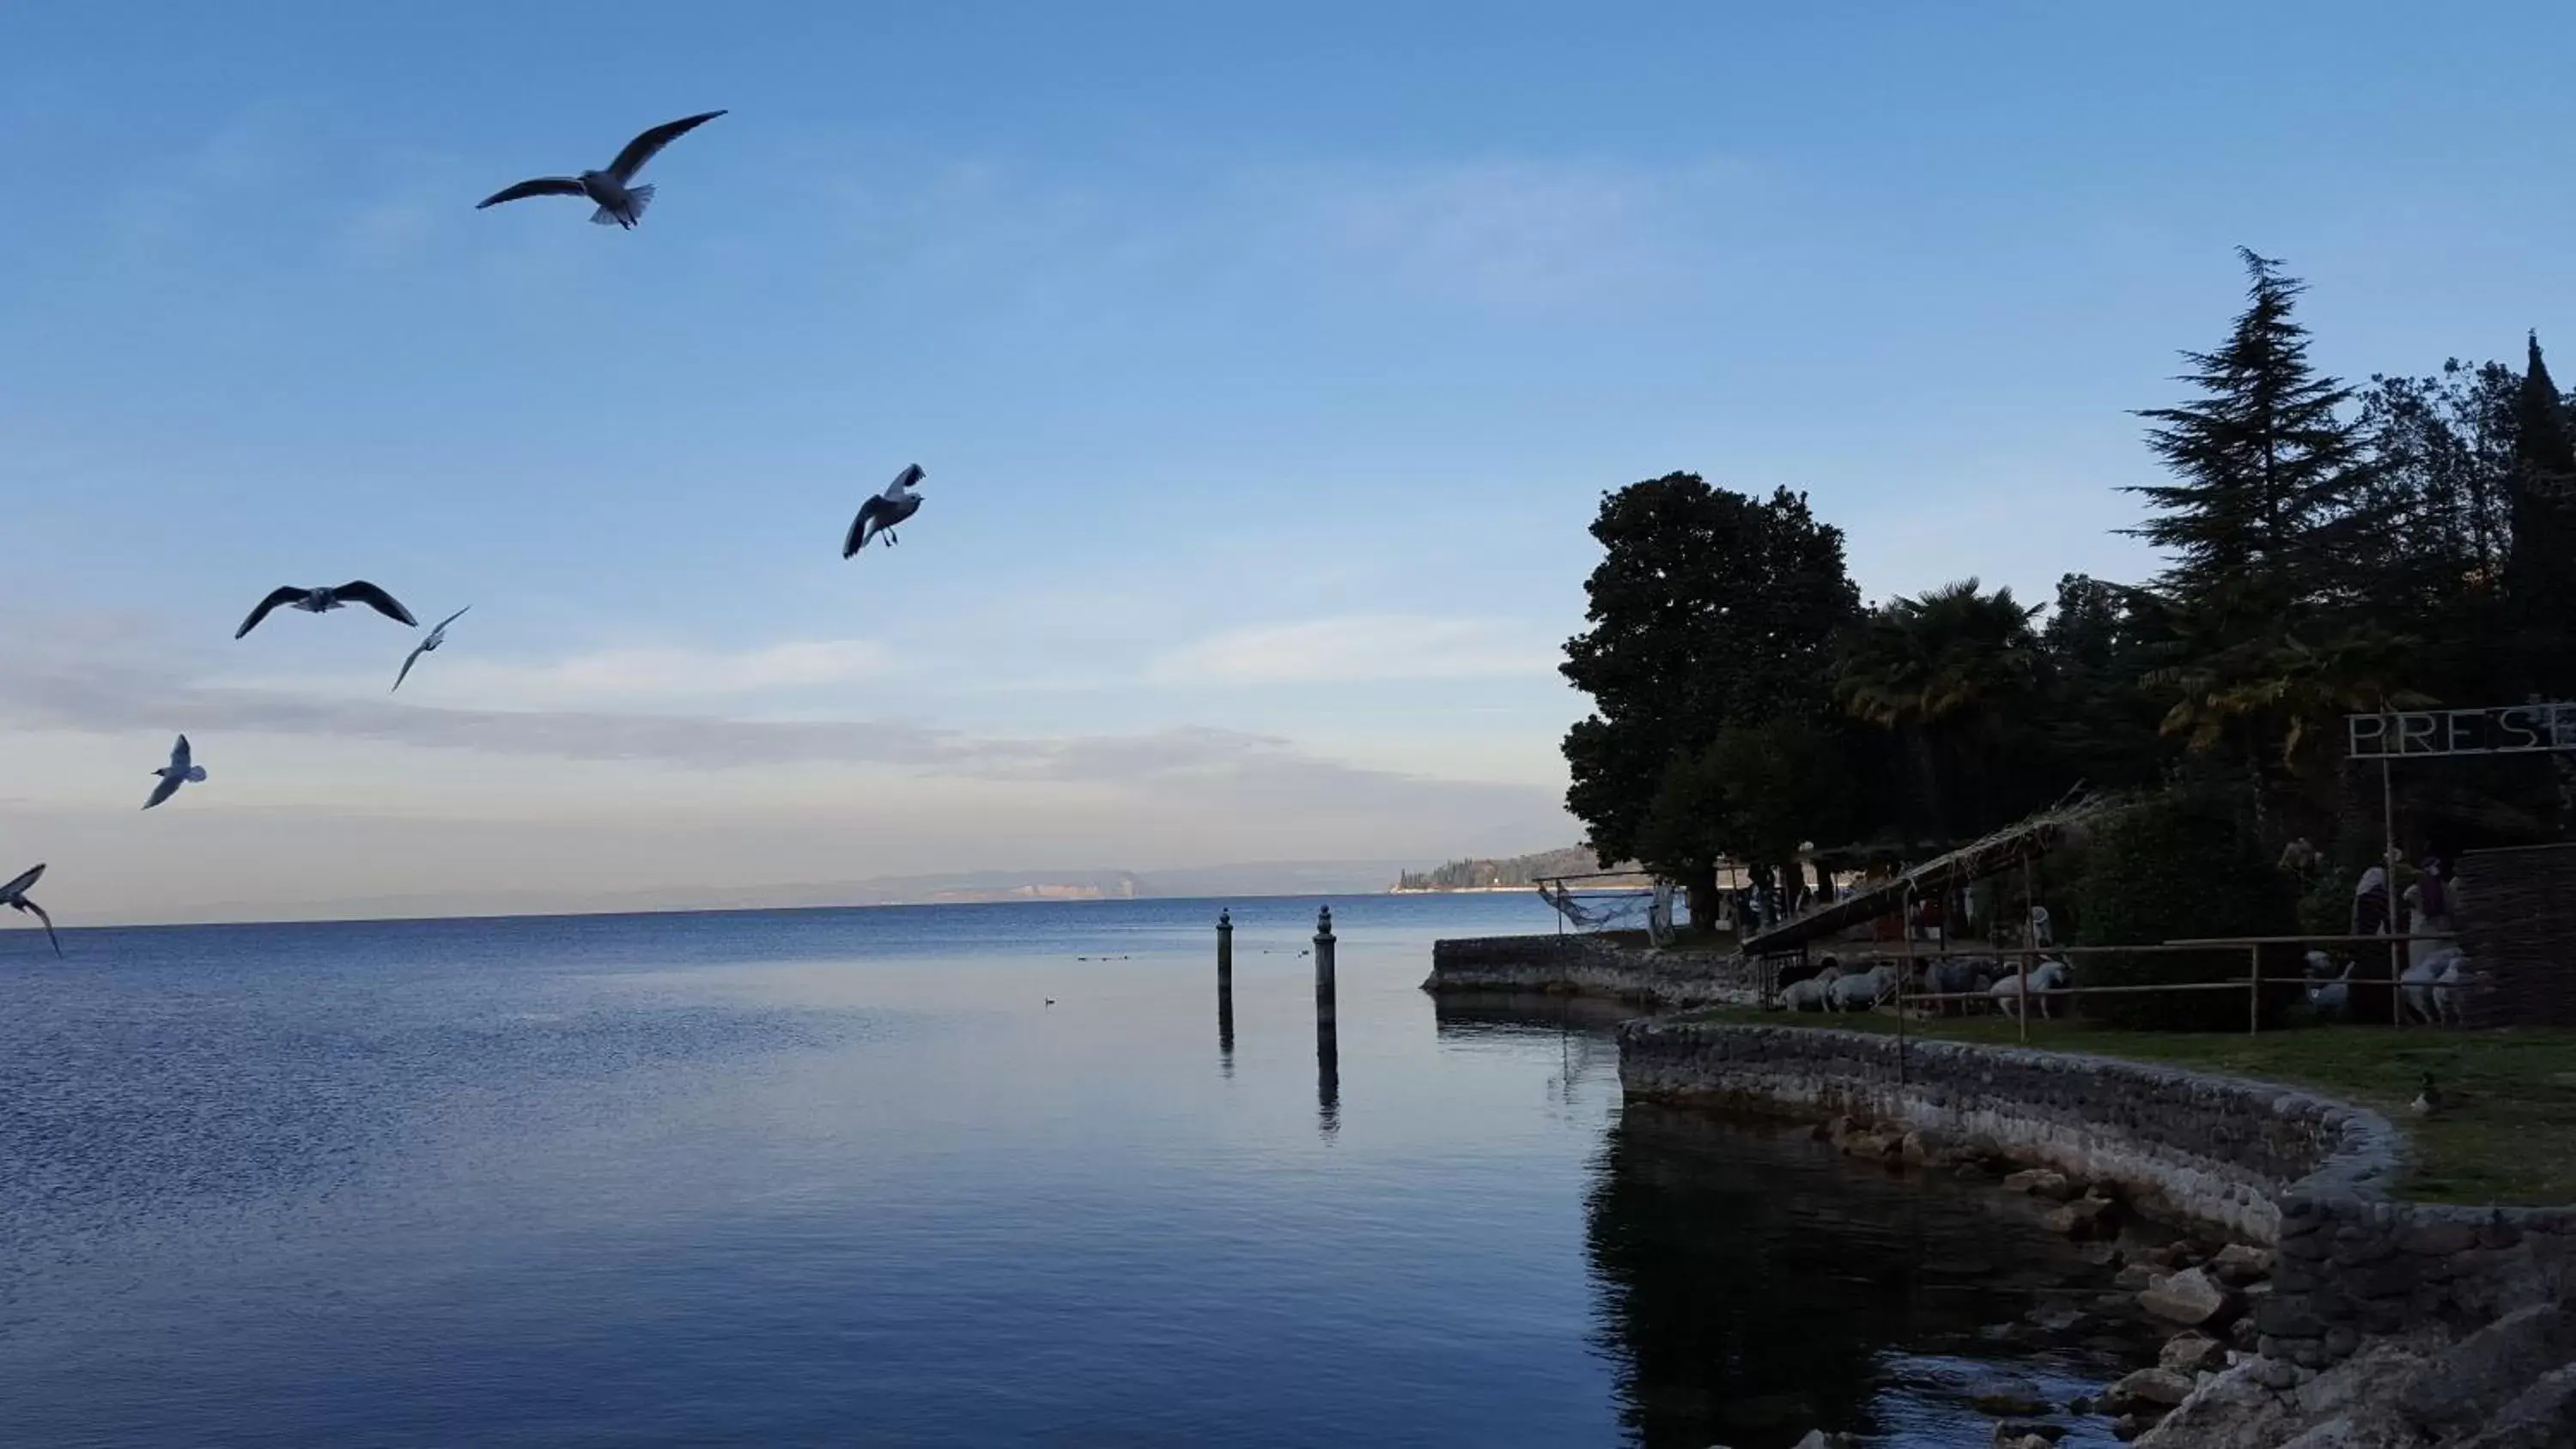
1589	966
2307	1174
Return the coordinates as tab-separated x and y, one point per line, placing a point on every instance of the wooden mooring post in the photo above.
1328	1050
1225	950
1324	964
1225	990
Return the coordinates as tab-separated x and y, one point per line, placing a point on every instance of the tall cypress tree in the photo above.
2266	468
2538	582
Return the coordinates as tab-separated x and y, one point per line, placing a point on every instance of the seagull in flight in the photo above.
320	601
180	771
620	202
881	513
437	636
14	896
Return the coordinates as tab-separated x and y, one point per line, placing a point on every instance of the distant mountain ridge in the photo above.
1263	878
1502	873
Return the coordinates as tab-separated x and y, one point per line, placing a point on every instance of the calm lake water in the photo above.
843	1177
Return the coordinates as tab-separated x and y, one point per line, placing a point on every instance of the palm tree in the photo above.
1947	672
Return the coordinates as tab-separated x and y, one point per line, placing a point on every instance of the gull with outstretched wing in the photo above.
621	203
881	513
14	896
182	770
437	636
322	601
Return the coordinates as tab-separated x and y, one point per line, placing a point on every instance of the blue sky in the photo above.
1267	363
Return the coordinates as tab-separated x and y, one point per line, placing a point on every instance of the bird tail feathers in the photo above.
196	774
637	198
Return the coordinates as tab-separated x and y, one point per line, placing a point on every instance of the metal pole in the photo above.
2254	992
1904	969
2388	916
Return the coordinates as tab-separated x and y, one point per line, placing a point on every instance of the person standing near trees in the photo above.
2370	903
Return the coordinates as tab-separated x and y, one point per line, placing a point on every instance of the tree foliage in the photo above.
1708	608
2330	550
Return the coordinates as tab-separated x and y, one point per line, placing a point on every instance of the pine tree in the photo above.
2538	582
2267	469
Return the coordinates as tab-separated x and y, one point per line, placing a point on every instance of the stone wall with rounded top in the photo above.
1589	966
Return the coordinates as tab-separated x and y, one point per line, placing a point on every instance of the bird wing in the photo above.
32	874
450	619
179	756
168	787
408	661
643	148
28	905
359	591
284	594
875	510
541	186
910	475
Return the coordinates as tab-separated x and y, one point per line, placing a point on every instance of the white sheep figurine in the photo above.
2052	975
1862	990
2428	986
1815	993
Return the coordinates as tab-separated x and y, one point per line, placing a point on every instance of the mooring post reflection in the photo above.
1328	1051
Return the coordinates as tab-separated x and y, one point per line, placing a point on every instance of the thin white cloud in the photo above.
1507	230
1357	647
648	673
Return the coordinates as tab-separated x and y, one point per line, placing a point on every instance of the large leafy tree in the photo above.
1709	608
2260	510
1953	673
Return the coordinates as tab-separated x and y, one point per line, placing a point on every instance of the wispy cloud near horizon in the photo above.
1361	647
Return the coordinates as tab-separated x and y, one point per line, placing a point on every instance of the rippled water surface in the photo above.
845	1177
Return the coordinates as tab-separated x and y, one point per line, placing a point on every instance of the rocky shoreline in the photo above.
2297	1306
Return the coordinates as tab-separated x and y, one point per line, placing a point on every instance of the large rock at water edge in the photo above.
2084	1217
2041	1182
2238	1264
2152	1389
2189	1353
2191	1299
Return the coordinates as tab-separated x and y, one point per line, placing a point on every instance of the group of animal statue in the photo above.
2428	990
1956	984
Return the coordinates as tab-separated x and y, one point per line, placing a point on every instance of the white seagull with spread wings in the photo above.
881	513
180	771
620	202
14	896
321	601
437	636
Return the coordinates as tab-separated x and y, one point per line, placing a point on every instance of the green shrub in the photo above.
2180	866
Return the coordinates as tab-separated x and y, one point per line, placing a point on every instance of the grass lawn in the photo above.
2510	1138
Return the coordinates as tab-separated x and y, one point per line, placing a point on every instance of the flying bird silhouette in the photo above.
881	513
437	636
180	771
620	202
320	601
14	896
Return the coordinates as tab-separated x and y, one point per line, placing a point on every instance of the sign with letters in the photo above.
2504	729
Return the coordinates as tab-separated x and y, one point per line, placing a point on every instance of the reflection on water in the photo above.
847	1176
1754	1283
1225	1026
